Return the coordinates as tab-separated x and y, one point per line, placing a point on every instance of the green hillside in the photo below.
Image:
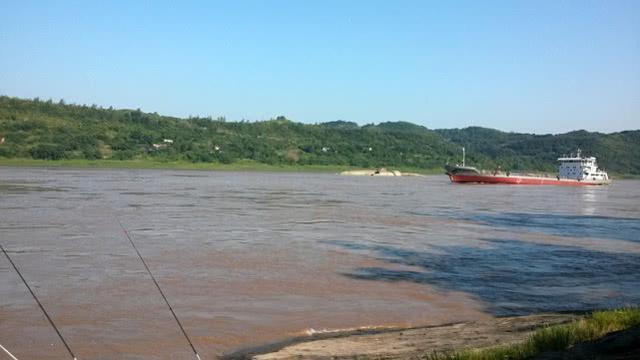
55	130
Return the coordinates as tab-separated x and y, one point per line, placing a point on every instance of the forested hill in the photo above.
55	130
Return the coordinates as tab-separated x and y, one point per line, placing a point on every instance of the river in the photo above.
250	258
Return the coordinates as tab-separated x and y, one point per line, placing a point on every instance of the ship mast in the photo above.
463	156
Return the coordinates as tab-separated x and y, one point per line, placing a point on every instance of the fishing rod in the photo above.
8	353
159	289
39	304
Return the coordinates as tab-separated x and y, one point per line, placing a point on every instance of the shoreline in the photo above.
403	343
244	166
241	166
604	334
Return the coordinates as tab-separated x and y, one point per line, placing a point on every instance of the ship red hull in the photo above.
518	180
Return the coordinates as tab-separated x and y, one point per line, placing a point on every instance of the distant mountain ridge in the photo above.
48	130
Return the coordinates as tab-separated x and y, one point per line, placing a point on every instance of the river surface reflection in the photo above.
249	258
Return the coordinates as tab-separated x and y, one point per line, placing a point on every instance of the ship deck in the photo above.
519	179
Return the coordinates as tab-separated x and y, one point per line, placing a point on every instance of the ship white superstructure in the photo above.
581	168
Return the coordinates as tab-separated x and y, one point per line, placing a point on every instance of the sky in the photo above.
525	66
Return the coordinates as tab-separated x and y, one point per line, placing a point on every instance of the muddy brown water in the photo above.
252	258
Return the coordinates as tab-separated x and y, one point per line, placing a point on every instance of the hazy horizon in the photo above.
543	68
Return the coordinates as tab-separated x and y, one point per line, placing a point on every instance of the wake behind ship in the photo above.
574	170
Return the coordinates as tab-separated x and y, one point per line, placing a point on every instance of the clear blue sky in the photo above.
529	66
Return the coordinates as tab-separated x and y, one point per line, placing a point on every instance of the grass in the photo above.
242	165
553	338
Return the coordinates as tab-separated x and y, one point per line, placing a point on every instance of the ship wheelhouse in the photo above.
580	168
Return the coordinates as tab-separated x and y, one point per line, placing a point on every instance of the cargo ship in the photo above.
573	170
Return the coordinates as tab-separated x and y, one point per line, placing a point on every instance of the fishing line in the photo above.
39	304
159	289
7	351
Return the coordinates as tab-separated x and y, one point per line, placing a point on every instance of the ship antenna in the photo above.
463	156
159	289
39	304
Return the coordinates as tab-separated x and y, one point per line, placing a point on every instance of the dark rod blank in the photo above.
159	289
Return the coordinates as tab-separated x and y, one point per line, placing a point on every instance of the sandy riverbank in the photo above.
405	343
